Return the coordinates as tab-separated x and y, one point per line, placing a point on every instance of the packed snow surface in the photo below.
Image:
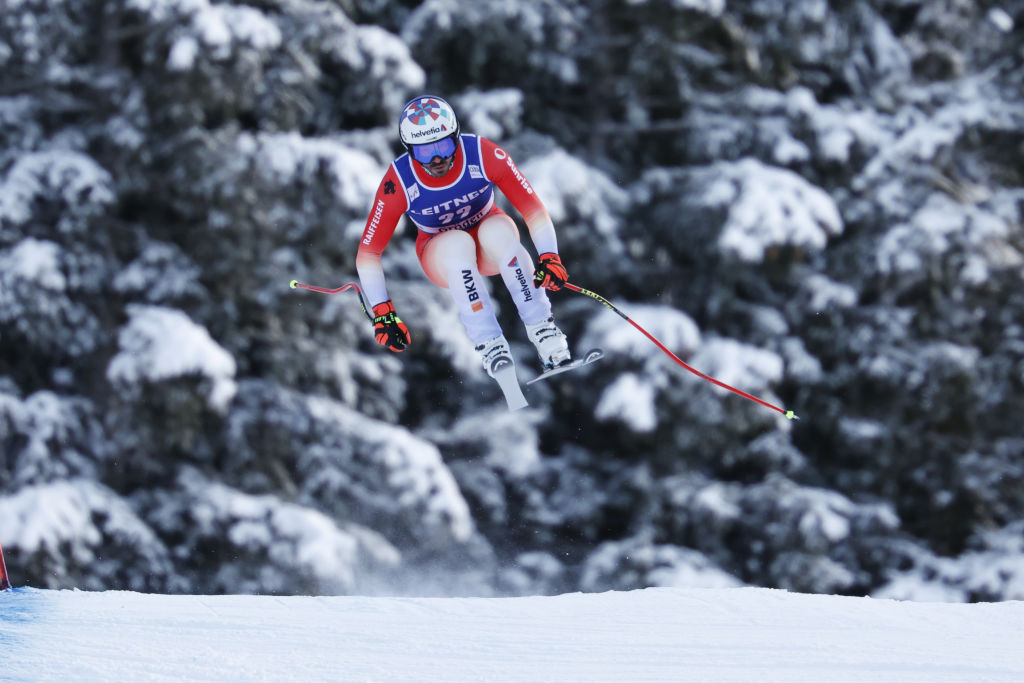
720	634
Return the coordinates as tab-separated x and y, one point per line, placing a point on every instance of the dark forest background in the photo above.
817	202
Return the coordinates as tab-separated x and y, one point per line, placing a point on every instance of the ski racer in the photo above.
445	184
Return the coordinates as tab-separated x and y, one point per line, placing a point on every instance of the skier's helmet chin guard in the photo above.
427	120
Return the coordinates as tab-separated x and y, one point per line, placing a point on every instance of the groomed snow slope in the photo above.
739	634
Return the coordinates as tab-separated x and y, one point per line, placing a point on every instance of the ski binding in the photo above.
588	358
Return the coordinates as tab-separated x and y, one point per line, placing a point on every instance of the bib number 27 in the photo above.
462	212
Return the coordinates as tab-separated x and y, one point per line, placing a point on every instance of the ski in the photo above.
504	374
588	358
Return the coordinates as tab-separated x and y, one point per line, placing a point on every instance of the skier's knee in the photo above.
497	234
456	247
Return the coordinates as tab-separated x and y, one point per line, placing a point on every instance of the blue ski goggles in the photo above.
442	148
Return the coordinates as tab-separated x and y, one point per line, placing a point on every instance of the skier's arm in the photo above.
388	206
502	171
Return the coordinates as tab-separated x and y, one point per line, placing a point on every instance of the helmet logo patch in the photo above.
426	112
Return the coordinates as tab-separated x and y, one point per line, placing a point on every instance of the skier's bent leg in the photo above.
452	256
499	242
502	250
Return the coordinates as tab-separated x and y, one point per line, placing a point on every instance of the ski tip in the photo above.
515	404
293	284
790	415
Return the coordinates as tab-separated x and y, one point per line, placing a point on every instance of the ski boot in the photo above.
497	361
550	343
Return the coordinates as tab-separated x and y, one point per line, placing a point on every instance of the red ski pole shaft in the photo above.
295	284
5	583
600	299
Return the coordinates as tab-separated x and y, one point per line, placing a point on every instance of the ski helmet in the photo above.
427	119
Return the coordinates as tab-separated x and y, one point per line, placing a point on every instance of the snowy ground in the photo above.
738	634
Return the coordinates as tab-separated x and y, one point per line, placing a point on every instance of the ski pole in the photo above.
5	583
600	299
295	284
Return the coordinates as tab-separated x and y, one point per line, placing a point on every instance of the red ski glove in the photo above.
550	274
388	328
